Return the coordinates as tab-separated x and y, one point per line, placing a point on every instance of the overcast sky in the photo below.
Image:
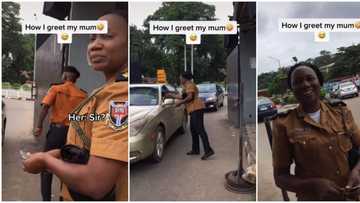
139	11
28	9
274	45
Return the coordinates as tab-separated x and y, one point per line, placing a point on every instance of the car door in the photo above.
178	111
167	115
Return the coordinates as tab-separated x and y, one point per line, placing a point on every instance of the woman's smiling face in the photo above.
109	52
306	85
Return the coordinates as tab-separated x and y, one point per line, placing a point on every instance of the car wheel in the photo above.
159	145
216	106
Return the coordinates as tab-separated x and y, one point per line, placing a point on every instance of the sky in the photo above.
139	11
274	46
28	9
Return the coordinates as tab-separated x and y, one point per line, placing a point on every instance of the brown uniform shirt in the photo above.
63	99
109	137
196	103
319	150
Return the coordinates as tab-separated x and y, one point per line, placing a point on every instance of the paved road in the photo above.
182	177
17	185
266	186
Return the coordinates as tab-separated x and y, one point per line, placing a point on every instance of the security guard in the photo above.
94	163
62	99
317	137
195	108
109	136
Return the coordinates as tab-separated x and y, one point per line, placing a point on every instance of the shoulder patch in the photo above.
117	117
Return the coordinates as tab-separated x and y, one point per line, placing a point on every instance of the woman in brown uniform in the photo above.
316	137
101	128
195	108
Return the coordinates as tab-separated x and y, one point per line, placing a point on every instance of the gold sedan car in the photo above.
153	120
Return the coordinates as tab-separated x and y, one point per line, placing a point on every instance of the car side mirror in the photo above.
168	101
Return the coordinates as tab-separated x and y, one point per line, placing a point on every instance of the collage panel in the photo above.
189	75
64	101
180	101
308	88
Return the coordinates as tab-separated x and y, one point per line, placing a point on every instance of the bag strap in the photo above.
83	137
79	131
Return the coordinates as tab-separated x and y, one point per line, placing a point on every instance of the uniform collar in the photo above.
68	82
188	82
303	115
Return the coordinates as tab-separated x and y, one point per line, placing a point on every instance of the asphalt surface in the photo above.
16	184
180	177
266	186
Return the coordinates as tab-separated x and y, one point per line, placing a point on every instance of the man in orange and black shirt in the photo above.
62	99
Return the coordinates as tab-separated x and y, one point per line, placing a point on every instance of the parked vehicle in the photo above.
212	95
347	89
153	119
265	108
334	90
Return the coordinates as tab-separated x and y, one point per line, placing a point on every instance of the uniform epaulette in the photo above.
284	113
335	102
58	83
121	77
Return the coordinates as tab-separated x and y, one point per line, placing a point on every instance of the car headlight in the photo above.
211	99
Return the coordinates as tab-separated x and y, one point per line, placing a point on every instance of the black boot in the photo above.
208	154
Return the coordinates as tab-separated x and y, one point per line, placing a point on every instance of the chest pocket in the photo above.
344	141
306	146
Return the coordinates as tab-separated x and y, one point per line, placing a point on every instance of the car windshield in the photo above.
144	96
346	84
206	88
263	101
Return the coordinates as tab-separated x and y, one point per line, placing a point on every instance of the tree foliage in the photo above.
167	51
345	62
17	49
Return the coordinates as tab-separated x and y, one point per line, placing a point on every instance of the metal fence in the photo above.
16	94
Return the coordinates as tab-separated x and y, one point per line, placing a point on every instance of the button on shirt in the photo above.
318	149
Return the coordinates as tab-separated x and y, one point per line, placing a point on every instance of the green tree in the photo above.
264	79
347	61
167	51
17	49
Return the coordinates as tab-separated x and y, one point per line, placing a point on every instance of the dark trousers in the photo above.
55	139
197	129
